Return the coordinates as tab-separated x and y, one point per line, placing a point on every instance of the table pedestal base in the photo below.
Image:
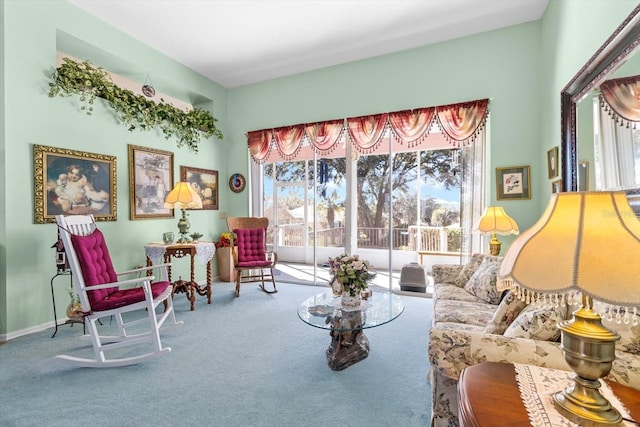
349	344
346	349
190	289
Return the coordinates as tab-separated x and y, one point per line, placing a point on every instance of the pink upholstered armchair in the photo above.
252	262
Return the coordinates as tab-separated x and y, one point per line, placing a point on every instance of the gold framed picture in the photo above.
72	182
205	182
150	180
552	162
556	186
513	183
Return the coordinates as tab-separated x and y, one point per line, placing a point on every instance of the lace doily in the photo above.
538	385
204	251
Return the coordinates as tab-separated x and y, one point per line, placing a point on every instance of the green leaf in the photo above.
87	81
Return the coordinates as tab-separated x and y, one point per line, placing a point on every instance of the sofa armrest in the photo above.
450	351
445	273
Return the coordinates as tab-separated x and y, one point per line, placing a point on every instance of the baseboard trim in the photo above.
15	334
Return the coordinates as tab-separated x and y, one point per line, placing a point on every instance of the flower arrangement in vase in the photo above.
224	242
350	275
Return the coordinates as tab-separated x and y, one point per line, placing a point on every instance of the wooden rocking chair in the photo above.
103	295
252	262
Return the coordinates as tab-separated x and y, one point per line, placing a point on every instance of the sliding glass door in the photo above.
383	205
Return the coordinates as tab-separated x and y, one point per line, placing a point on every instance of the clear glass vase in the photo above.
74	309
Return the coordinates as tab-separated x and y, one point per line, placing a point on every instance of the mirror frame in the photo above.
616	49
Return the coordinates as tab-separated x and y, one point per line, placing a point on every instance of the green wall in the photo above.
521	69
32	32
572	31
503	66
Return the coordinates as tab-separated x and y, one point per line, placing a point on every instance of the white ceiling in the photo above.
238	42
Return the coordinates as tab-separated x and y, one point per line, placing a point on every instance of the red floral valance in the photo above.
621	99
324	136
460	124
366	131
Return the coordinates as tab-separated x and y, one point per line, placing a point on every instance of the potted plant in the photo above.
134	111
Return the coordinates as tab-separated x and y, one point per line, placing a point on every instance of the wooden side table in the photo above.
488	395
180	250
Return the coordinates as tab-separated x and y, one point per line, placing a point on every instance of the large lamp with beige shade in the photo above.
183	197
494	220
584	247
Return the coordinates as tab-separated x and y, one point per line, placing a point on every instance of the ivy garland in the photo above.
135	111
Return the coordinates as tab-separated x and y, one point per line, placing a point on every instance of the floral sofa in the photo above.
474	323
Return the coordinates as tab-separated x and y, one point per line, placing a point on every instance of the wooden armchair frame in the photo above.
251	270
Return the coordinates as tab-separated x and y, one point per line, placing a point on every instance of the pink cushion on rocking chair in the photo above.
97	269
251	248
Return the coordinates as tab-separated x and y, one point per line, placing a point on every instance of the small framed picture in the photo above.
73	182
150	180
205	182
513	183
552	162
583	176
556	186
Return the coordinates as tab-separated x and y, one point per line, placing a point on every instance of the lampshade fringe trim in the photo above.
614	312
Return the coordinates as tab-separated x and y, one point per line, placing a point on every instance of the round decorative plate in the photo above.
237	182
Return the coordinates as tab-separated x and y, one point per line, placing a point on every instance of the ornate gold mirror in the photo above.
615	59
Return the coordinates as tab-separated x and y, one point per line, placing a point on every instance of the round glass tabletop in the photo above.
326	312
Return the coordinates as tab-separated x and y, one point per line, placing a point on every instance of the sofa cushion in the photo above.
482	283
537	322
472	313
452	292
468	269
507	311
445	273
450	326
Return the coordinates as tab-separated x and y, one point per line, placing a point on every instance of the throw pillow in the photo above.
629	333
507	311
537	322
482	283
468	269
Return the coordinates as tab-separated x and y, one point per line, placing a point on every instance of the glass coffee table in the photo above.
346	325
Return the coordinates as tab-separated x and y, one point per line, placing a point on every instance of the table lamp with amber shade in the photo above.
585	246
182	197
494	220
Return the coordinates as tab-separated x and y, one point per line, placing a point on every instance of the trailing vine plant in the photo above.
135	111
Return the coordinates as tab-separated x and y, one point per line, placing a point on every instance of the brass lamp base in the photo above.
589	349
183	227
494	245
572	404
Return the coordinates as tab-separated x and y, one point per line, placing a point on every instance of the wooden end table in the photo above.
488	395
180	250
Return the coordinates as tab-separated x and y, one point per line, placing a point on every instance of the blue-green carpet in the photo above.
247	361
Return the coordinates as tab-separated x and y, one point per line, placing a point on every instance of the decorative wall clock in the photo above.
237	183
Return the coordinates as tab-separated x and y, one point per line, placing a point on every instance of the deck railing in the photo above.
413	238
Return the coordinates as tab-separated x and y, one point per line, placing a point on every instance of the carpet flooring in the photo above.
247	361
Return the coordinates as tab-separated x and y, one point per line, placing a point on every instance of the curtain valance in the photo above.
621	99
460	124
